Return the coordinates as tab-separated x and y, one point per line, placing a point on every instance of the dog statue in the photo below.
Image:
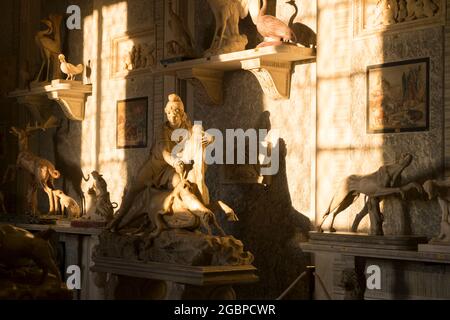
378	184
67	202
440	189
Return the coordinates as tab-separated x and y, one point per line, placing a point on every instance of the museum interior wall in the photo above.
323	127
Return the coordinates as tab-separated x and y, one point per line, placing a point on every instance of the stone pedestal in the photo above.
435	247
128	279
75	247
345	261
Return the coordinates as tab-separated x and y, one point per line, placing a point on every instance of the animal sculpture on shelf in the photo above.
429	8
304	35
402	11
69	68
42	171
18	245
374	186
227	14
273	30
99	191
440	189
68	203
181	209
181	43
49	44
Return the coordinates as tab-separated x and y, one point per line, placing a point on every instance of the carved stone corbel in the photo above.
208	79
274	77
71	96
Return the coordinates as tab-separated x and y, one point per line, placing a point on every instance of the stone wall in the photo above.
275	219
322	125
343	145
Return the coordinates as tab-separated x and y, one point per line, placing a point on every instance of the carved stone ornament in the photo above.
390	15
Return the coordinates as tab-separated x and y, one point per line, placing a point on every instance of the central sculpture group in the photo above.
170	188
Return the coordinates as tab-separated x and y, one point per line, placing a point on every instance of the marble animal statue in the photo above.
227	14
374	186
181	42
69	68
411	8
389	11
429	8
440	189
50	46
304	35
99	191
42	171
17	244
419	9
67	162
273	30
402	11
188	204
68	203
180	209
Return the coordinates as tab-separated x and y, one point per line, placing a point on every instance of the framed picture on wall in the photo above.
2	141
132	126
398	96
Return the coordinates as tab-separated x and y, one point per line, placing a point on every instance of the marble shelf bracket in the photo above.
71	96
274	77
207	79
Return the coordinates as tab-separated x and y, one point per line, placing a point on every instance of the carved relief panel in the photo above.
372	16
133	53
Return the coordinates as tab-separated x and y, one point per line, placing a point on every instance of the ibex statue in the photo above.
42	171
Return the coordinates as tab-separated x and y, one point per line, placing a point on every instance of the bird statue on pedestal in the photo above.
274	31
69	68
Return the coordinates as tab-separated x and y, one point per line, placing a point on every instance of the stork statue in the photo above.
272	29
49	43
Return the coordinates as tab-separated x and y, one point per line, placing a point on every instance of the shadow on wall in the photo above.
272	230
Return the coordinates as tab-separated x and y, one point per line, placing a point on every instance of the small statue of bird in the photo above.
272	29
69	68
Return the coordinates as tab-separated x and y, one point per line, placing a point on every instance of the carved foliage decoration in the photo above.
373	16
134	52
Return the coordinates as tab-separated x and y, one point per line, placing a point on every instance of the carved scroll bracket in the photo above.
274	77
271	65
71	96
208	79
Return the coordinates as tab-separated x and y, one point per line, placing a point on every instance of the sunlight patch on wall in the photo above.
89	125
99	150
343	145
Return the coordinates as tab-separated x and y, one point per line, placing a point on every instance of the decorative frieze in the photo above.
374	16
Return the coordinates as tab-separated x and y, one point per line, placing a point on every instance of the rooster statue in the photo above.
69	68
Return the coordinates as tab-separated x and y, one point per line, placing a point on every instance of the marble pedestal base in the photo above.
127	279
345	262
436	247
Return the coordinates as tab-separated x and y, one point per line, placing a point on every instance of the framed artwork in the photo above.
398	96
2	142
132	126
